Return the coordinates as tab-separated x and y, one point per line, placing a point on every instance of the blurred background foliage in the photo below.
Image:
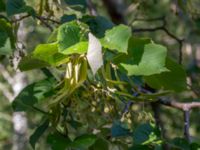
182	19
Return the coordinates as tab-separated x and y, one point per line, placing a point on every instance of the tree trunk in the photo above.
19	118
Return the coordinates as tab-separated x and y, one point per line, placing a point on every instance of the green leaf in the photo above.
118	130
146	59
67	18
38	133
146	134
83	142
3	38
195	146
117	38
100	144
29	63
180	143
94	54
77	5
175	79
2	6
53	36
70	34
79	48
6	32
15	6
6	49
49	53
76	2
32	94
98	25
141	147
18	6
58	141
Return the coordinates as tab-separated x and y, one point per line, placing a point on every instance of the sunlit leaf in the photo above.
79	48
146	59
70	34
117	38
49	53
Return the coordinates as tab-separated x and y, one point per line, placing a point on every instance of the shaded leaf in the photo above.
145	134
3	38
6	32
2	6
29	63
32	94
18	6
100	144
76	2
98	25
175	79
180	143
119	130
83	142
67	18
38	133
58	141
194	146
6	48
141	147
78	5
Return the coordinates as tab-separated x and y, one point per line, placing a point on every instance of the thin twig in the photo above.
21	18
41	18
44	22
49	19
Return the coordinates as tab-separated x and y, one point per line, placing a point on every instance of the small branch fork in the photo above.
185	107
161	28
